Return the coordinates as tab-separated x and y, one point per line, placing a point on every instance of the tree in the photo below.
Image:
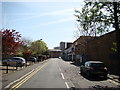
11	40
25	46
97	18
27	54
39	47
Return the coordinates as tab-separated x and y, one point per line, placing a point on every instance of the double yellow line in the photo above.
17	85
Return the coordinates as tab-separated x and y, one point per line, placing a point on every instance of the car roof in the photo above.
94	62
18	57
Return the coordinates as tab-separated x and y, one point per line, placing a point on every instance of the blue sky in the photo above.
51	21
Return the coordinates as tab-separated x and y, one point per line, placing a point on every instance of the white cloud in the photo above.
52	22
59	21
36	15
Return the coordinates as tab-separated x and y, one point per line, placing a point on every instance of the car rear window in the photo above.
97	65
16	58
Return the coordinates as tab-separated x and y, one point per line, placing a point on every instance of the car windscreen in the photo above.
97	65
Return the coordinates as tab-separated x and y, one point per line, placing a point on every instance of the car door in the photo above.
12	62
83	68
86	67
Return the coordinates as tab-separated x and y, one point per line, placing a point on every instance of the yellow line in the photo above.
26	78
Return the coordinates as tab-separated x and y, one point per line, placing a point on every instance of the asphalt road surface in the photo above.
57	73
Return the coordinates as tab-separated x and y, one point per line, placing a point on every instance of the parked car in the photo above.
14	61
33	59
94	68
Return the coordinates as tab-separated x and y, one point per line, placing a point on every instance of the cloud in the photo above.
52	22
59	21
36	15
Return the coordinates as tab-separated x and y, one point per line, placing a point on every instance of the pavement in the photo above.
114	78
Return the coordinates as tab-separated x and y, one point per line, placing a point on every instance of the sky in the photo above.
52	21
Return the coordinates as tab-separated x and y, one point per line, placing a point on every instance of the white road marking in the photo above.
66	85
59	68
62	76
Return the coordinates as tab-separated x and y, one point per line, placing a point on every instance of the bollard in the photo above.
7	68
16	66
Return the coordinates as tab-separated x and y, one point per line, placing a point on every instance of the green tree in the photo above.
96	18
25	47
39	47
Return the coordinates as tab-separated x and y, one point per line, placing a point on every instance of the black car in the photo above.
33	59
91	68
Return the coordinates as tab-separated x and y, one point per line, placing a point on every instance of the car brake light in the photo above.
91	68
22	60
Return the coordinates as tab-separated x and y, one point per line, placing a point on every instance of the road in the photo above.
57	73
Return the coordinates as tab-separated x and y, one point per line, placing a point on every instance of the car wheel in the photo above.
19	65
5	64
105	77
81	72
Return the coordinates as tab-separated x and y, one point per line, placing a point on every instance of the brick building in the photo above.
55	53
101	49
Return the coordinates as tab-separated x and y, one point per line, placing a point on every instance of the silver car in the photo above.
14	61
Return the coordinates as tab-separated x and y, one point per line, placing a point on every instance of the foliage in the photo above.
25	46
39	47
96	18
11	40
27	54
114	48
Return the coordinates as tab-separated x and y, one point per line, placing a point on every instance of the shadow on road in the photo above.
93	78
76	64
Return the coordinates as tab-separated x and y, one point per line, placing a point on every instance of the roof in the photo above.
55	50
94	62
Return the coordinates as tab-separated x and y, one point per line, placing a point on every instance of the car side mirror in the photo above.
9	60
82	65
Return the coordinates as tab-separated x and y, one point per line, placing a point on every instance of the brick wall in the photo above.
101	49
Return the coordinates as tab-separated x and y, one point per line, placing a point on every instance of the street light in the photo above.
40	39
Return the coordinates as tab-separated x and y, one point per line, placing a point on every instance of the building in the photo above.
62	46
56	47
103	49
100	48
65	50
76	51
80	48
55	53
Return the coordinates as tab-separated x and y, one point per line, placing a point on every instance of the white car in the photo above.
14	61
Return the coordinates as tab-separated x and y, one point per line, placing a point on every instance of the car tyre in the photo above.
5	64
81	72
19	65
105	77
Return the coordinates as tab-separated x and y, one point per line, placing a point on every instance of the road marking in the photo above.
66	85
27	77
113	82
62	76
19	79
59	68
